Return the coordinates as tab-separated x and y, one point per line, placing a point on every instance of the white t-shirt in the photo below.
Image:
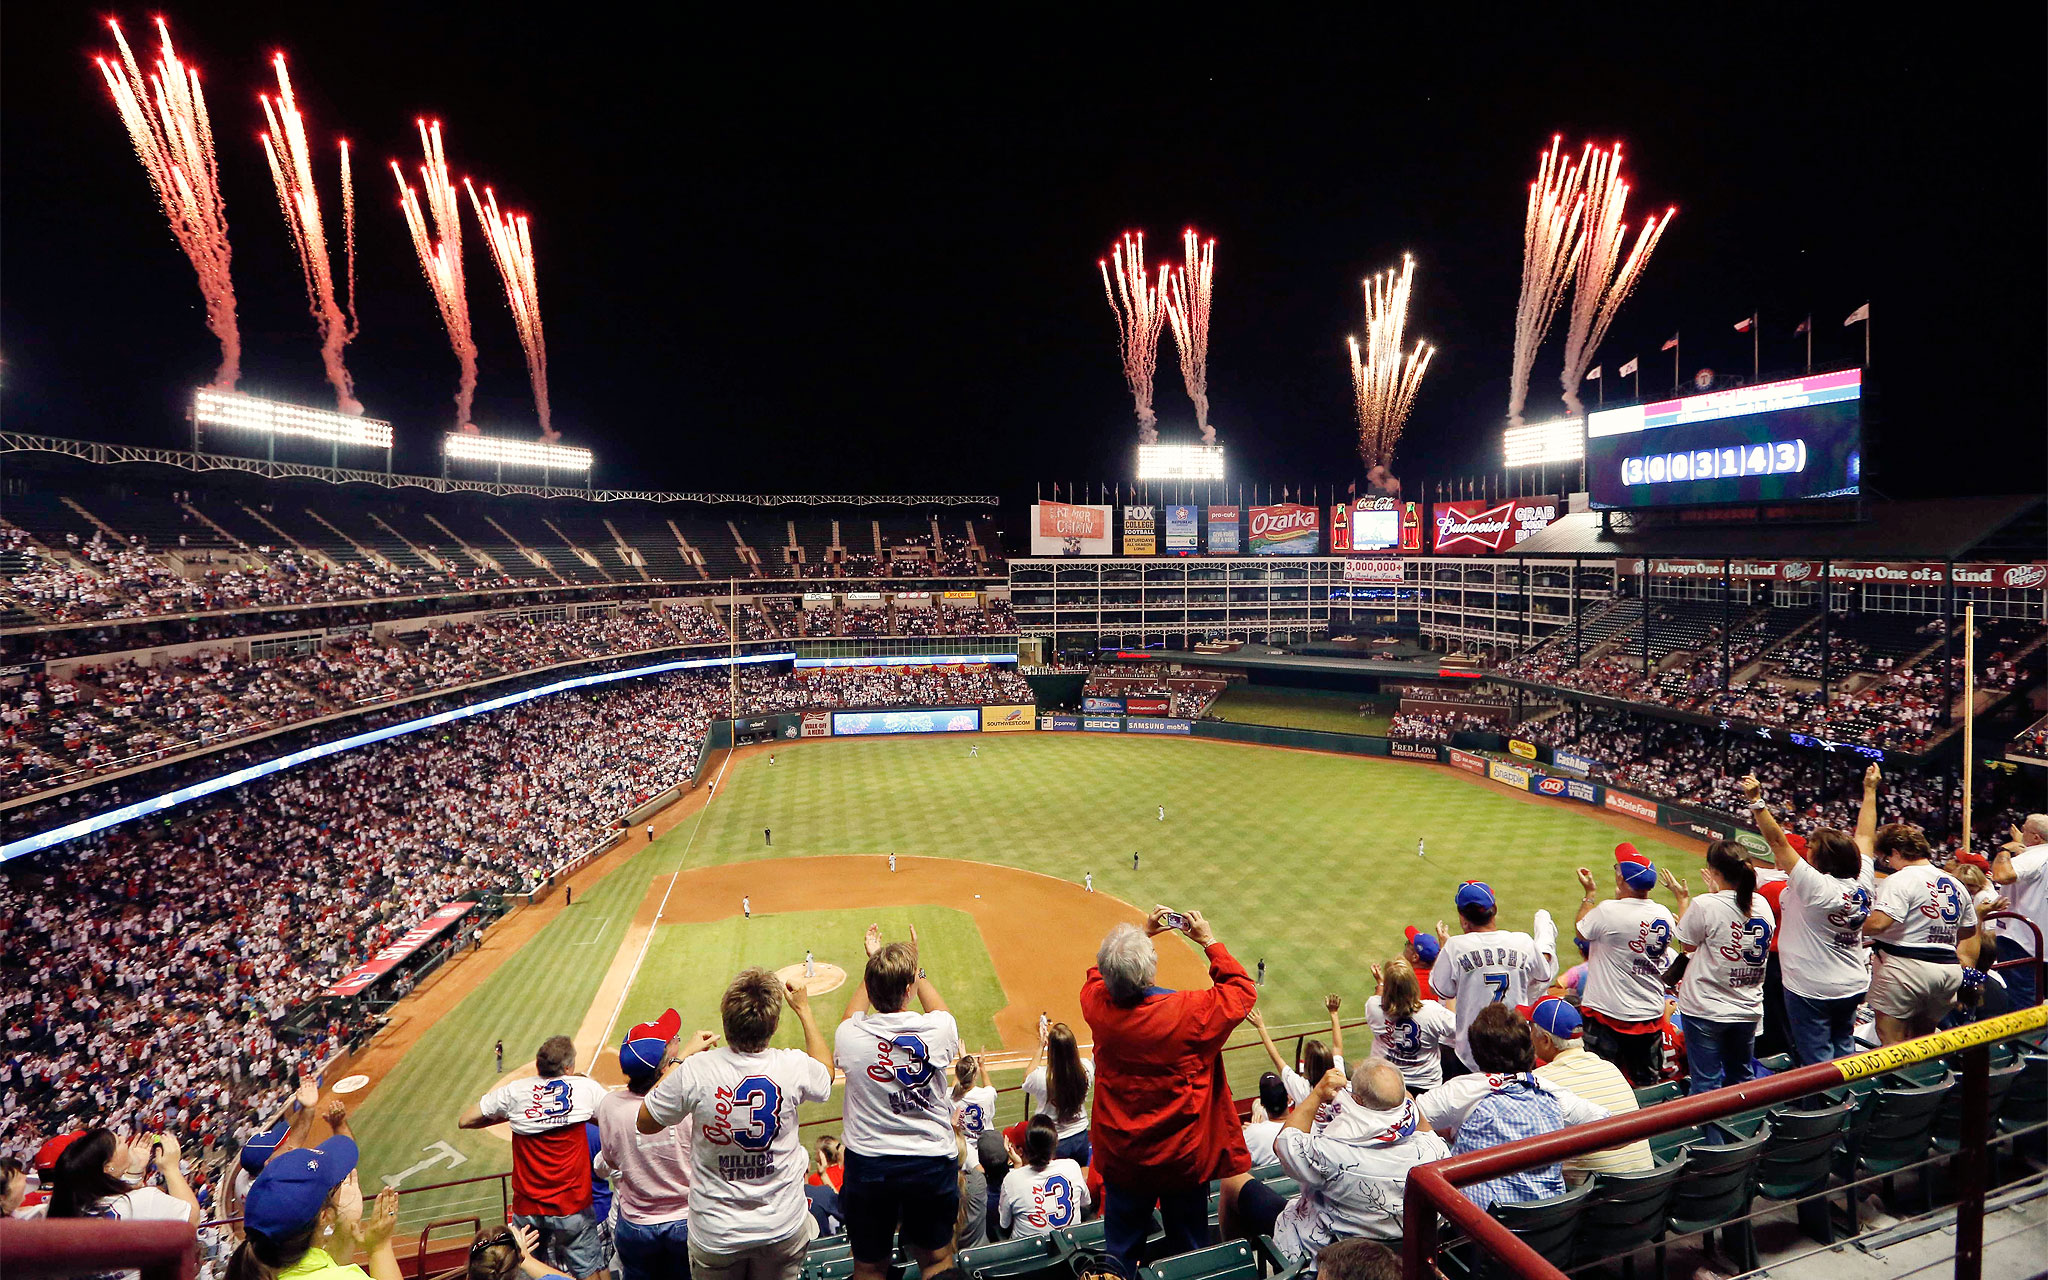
897	1099
1036	1202
1350	1188
1930	909
1628	943
2029	893
1820	937
747	1163
1724	982
1038	1085
1411	1044
1258	1139
1479	969
977	1110
144	1204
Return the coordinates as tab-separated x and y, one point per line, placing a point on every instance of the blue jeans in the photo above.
1127	1221
654	1251
1821	1029
1719	1053
2019	981
572	1241
1076	1148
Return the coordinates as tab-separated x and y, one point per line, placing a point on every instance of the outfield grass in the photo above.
1303	709
1303	859
949	944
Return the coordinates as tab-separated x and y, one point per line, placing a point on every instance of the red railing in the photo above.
30	1250
2034	961
1434	1188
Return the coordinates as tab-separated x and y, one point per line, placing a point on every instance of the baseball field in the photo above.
1307	861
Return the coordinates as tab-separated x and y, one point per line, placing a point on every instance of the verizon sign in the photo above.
1475	528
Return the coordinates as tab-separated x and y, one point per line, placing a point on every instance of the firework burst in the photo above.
1140	312
1384	379
165	115
1550	247
440	258
511	244
1605	278
291	169
1187	310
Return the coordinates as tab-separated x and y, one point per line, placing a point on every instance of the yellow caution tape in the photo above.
1941	1043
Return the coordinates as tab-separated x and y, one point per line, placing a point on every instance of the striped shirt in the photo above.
1601	1083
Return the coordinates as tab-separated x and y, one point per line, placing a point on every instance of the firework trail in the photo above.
441	258
1384	380
166	119
291	169
1550	247
1187	309
1605	279
512	247
348	231
1139	315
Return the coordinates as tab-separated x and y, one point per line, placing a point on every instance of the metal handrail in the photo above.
2035	960
1435	1188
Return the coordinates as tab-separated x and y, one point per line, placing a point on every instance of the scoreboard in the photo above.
1801	438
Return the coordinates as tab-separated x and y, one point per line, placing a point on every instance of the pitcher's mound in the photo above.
824	977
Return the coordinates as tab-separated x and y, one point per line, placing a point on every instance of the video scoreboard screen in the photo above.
1802	438
1375	528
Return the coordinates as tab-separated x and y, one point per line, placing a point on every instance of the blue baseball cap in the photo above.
1554	1016
257	1150
1425	944
286	1197
646	1044
1475	893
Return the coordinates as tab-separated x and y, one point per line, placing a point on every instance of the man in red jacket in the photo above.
1163	1124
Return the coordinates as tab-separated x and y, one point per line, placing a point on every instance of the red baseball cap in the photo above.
47	1154
663	1028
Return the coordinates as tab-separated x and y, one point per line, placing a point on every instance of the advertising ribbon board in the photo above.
1477	764
1414	750
1571	763
1623	803
1059	724
1070	529
1147	724
401	948
817	724
1102	724
1517	778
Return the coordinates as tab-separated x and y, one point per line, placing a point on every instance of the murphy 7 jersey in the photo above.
1494	967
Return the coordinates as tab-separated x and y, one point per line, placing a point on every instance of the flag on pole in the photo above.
1805	326
1744	325
1628	368
1860	313
1671	344
1594	376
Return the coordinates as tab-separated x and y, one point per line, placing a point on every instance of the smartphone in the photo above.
1175	920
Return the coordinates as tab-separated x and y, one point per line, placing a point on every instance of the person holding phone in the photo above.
1163	1124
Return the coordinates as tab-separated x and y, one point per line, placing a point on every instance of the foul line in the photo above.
648	941
596	932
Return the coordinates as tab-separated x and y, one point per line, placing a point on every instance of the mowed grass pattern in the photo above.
1305	860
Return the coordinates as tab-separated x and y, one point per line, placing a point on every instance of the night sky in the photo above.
792	258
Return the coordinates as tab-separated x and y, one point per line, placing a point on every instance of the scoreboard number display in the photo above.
1800	438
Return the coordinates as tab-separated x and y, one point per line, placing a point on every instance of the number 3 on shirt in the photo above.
1060	1212
1499	983
553	1098
761	1101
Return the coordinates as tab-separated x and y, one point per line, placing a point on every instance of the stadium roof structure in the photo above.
107	454
2013	526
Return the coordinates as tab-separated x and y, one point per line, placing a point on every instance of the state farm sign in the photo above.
1469	528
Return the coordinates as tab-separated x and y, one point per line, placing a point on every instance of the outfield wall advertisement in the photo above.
1070	529
817	724
1414	750
1151	724
1059	724
1102	724
1146	706
949	720
1102	706
1008	719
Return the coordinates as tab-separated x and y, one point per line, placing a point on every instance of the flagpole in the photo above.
1866	335
1675	350
1809	344
1756	332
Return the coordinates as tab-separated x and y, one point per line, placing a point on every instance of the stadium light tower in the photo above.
1539	444
500	452
273	418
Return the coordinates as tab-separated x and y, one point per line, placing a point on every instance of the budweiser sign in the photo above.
1472	527
1287	529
